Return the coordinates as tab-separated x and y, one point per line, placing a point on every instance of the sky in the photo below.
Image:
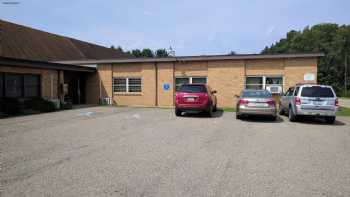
190	27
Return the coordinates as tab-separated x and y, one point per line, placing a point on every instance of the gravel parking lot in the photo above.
108	151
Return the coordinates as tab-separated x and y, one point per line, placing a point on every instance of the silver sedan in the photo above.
256	102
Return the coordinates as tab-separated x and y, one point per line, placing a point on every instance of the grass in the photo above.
343	111
228	109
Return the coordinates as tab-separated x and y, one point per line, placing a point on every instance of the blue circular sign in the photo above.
166	86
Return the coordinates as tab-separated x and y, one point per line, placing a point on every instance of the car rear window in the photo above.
257	94
193	89
317	91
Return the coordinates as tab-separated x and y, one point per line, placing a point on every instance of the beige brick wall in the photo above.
265	67
49	79
296	68
147	73
104	72
225	76
191	69
165	76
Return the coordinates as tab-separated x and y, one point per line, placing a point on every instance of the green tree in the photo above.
136	53
331	39
147	53
162	53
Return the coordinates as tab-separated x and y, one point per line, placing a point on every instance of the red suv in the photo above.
195	98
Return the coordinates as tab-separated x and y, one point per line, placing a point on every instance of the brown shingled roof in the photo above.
22	42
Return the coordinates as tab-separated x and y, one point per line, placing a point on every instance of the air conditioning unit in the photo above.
274	89
107	101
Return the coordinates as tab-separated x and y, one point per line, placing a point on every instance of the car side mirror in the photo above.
214	92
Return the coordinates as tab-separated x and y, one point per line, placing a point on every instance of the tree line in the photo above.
146	52
331	39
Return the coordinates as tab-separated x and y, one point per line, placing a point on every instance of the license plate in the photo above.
190	99
257	104
318	103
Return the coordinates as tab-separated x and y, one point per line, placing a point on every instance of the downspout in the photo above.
112	101
156	80
174	85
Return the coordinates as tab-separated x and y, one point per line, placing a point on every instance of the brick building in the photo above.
153	81
35	63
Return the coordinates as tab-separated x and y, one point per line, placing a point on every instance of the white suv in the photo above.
309	100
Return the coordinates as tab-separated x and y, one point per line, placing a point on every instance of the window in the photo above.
317	91
256	94
193	89
188	80
263	82
127	84
134	84
31	85
255	83
13	85
19	85
296	91
290	92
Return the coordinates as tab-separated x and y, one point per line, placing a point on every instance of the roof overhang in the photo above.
195	58
5	61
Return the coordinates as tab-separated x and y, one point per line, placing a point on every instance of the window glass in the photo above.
274	80
1	85
255	83
31	85
13	84
291	90
134	84
119	84
257	94
193	89
296	91
199	80
180	81
317	91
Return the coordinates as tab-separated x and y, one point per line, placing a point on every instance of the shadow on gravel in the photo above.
216	114
318	121
261	119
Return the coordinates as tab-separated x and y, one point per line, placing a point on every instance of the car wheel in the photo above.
281	111
215	108
330	119
273	118
210	111
178	112
238	116
291	115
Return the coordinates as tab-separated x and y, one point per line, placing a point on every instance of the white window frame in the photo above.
264	80
127	90
190	79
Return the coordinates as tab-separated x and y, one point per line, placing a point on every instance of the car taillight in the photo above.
271	102
297	101
336	103
243	102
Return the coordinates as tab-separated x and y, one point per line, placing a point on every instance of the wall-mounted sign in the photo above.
166	86
309	77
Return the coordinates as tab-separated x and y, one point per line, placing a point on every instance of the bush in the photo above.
66	106
40	104
10	106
